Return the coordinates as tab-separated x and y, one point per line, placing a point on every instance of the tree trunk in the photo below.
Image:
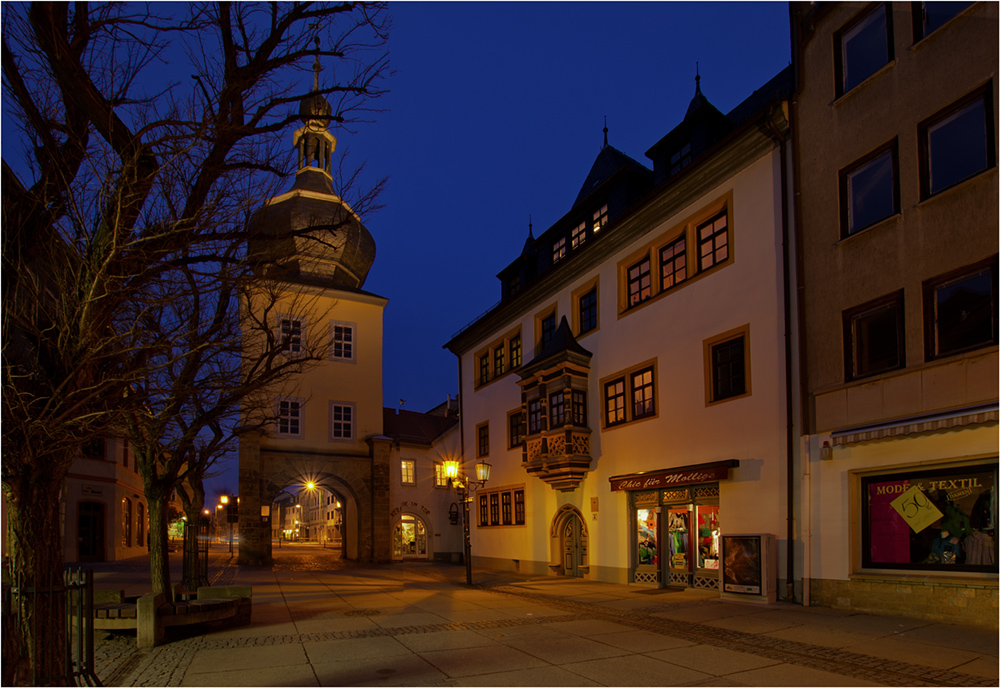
35	653
193	571
159	559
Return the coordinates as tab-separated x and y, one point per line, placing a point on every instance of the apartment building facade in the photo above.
895	137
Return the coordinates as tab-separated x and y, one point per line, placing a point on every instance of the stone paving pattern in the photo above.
318	620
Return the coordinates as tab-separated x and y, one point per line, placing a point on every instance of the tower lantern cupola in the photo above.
314	143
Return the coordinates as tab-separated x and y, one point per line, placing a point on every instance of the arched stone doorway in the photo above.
569	543
411	538
361	482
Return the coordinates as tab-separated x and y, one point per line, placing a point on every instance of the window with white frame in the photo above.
342	341
440	477
291	335
408	471
342	421
289	414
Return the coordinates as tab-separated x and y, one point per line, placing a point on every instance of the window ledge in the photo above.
846	96
892	219
960	578
977	177
990	349
923	39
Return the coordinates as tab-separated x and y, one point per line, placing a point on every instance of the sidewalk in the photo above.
419	624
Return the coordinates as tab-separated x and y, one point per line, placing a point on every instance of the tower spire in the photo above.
316	68
605	131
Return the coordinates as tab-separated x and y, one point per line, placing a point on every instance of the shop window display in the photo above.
708	537
931	520
646	523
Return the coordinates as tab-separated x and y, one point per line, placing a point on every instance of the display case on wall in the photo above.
749	567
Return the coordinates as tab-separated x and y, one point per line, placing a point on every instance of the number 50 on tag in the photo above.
916	509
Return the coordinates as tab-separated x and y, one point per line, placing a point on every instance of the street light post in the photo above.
465	486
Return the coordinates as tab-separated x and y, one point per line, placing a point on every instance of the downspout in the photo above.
782	140
371	548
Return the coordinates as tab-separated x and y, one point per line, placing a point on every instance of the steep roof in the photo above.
608	161
411	427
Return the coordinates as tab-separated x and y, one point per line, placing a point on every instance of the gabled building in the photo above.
632	388
895	123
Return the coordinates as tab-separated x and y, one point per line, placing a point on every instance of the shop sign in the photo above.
658	480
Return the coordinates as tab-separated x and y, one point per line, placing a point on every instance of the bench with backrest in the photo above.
150	615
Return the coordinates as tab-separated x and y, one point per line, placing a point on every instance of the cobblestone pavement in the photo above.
119	663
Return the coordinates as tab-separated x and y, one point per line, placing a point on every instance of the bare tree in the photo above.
134	184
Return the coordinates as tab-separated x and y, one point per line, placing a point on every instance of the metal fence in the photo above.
39	608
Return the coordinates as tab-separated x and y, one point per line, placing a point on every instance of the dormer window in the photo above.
680	159
559	250
579	235
600	219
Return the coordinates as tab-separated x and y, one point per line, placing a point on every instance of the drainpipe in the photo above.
807	531
782	142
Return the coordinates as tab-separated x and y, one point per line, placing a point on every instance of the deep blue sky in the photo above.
496	113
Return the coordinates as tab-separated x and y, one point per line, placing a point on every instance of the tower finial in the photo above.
531	234
316	67
697	79
605	131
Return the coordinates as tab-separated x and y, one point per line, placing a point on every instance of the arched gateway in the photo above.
312	254
361	481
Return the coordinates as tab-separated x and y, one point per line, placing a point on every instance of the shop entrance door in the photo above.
571	547
679	545
90	531
410	538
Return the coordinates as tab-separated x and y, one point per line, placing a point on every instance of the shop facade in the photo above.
677	525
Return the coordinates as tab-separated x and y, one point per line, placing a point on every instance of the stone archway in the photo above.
362	481
569	543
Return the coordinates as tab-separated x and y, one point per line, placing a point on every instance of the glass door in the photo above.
679	544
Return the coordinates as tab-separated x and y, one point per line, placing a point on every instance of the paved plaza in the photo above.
320	621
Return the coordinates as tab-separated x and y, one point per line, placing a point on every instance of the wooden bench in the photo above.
150	615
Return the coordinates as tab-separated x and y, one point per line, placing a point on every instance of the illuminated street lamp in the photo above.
465	486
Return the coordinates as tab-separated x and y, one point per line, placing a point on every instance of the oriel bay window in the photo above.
960	310
684	253
536	416
874	337
557	410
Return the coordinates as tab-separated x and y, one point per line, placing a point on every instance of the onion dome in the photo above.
309	235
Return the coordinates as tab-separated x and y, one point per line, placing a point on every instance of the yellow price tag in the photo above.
916	509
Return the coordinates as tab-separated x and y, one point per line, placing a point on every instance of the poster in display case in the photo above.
749	563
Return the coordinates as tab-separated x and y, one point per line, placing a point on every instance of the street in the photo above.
318	620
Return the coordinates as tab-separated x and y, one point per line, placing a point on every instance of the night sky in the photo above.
496	114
